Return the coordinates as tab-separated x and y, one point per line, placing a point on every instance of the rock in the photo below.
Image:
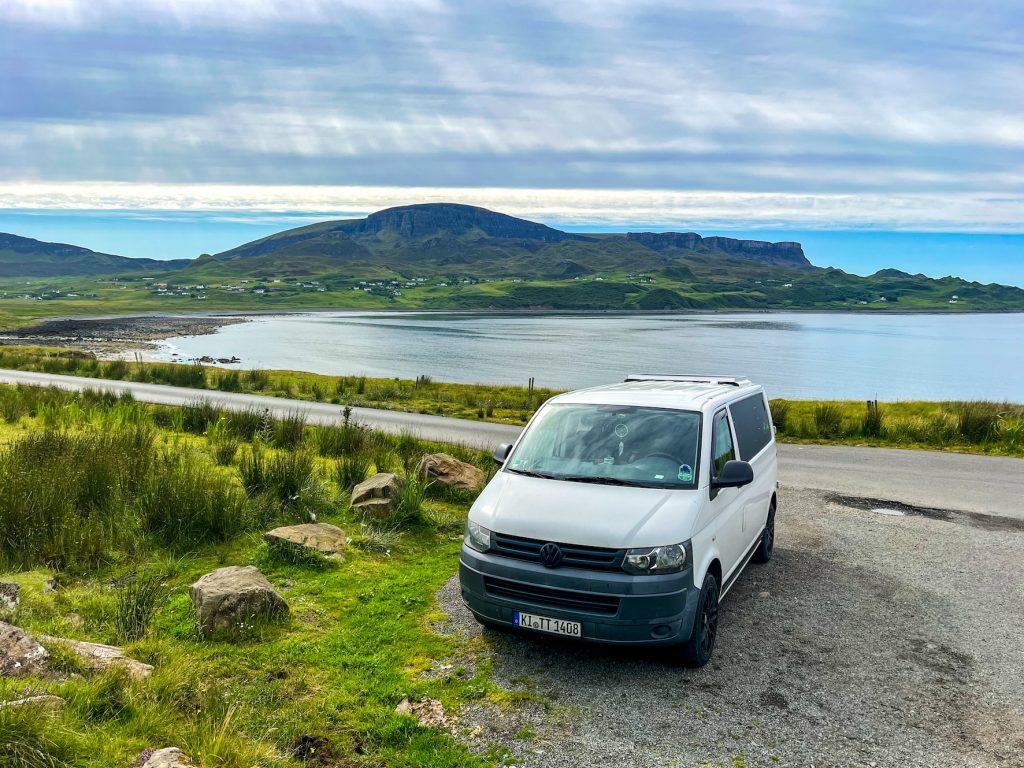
171	757
328	540
429	712
41	700
230	598
20	654
10	595
50	587
102	657
378	496
451	472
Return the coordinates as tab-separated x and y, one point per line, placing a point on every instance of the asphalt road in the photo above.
867	640
982	484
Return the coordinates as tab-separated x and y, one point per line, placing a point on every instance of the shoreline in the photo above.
112	336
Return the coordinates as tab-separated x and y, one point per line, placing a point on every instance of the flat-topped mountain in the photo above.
493	243
451	256
25	257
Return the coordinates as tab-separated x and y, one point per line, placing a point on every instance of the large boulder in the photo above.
96	656
171	757
379	496
21	655
231	598
446	470
328	540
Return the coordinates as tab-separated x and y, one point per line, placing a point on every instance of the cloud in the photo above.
779	99
661	209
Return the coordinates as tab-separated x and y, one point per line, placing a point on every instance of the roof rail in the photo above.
732	381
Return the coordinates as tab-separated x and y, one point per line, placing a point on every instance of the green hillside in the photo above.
447	256
457	256
25	257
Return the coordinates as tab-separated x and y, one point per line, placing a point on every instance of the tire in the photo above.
764	550
697	650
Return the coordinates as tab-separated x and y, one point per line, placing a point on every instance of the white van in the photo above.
624	513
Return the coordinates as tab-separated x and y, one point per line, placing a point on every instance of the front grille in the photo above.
607	605
573	555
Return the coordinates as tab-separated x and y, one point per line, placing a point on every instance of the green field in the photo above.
117	500
970	427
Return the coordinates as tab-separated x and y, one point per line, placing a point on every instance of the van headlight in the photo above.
671	558
477	537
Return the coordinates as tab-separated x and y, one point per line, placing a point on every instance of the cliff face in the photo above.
782	254
420	220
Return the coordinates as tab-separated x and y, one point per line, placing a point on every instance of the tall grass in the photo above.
290	478
290	431
138	600
977	425
828	420
31	737
63	497
351	470
184	504
976	422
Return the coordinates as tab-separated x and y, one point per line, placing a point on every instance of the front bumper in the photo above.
612	607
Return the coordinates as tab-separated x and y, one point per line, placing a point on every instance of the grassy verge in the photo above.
969	427
127	504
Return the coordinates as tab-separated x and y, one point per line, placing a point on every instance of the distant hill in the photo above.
25	257
490	260
448	256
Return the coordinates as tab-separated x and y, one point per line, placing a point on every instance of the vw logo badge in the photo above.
551	555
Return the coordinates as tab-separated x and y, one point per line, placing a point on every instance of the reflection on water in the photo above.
857	356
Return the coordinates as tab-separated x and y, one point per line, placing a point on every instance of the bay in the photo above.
795	355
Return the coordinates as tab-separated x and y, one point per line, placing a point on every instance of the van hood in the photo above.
585	513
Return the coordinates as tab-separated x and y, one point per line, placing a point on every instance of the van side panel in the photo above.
755	435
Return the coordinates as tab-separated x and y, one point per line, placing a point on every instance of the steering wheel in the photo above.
660	455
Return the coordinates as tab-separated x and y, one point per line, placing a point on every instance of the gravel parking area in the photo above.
870	639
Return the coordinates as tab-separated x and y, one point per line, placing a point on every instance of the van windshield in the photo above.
612	445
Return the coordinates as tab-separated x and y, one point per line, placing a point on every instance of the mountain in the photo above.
25	257
476	242
448	256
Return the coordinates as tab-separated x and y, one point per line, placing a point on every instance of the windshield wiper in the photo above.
600	480
528	473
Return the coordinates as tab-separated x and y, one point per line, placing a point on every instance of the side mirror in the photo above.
502	451
734	474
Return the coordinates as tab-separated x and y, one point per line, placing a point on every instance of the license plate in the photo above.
546	624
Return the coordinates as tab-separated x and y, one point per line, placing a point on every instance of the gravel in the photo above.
869	639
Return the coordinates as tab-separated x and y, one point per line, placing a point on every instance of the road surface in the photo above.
984	484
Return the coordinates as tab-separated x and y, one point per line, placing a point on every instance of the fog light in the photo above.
662	630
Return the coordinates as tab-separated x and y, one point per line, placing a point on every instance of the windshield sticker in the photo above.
685	473
621	430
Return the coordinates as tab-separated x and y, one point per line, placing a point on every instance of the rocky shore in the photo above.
109	337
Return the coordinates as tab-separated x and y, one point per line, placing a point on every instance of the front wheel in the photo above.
698	649
763	553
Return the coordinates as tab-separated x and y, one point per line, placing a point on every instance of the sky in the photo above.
876	133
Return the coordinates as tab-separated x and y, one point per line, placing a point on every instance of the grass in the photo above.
974	427
328	676
137	602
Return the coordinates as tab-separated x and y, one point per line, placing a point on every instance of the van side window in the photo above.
753	426
721	444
